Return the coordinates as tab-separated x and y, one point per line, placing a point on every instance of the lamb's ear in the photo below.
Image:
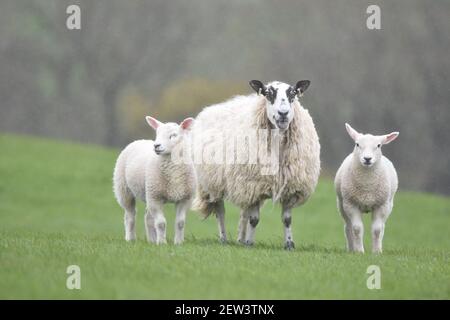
186	124
153	122
390	137
301	86
352	132
258	86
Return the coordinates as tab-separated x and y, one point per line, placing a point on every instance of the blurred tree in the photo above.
171	58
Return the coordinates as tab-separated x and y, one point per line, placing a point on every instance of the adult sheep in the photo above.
281	128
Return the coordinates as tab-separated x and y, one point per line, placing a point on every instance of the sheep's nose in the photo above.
283	113
157	145
367	159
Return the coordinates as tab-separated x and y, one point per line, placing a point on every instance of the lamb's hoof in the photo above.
289	245
249	243
223	240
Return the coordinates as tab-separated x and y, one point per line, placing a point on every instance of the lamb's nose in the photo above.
367	159
157	145
283	113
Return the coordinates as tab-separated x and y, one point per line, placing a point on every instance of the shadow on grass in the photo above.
275	246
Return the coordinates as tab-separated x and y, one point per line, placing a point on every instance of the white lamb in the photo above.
146	170
366	182
249	128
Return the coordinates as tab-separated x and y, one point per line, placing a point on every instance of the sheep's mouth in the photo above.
159	152
367	164
282	123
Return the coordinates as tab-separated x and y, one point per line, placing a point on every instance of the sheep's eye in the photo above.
357	144
172	136
379	145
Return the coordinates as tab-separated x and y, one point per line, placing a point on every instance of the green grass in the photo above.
57	209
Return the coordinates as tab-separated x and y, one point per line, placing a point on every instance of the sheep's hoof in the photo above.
249	243
178	242
223	240
289	245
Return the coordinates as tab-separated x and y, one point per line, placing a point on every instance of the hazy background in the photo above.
170	58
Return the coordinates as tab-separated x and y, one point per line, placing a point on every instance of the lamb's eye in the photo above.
172	136
379	145
357	144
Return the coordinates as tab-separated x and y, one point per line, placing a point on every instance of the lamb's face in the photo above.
280	98
368	147
168	135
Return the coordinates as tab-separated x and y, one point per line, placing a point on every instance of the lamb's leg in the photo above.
252	214
159	221
357	227
220	213
182	207
379	217
347	226
150	227
349	236
242	228
287	220
130	220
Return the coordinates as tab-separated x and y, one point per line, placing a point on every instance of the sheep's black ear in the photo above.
258	86
301	86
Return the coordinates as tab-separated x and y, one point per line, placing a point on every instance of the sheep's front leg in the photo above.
347	227
181	208
357	228
220	213
156	215
242	227
252	215
287	220
379	217
150	229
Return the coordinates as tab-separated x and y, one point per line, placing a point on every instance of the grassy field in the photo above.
57	209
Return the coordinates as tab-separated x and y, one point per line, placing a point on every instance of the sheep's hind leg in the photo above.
287	220
181	208
220	213
252	214
242	227
130	220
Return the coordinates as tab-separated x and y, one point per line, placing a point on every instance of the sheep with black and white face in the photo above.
272	119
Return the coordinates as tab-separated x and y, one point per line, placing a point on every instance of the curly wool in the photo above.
140	173
244	184
364	188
